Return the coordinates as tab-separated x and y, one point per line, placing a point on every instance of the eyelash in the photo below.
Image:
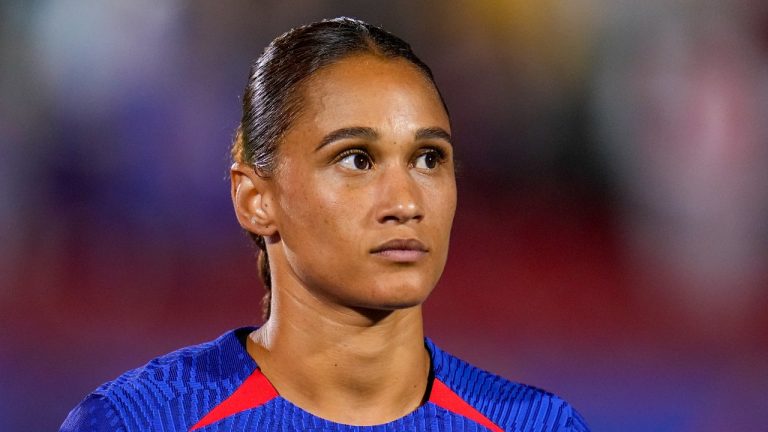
351	152
440	153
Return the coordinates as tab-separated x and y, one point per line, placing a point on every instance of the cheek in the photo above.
442	203
318	210
449	199
322	230
446	222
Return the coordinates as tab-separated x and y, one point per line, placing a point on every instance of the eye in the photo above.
355	160
429	159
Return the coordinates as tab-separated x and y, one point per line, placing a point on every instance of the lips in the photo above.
401	250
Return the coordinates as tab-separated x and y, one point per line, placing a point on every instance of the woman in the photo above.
343	174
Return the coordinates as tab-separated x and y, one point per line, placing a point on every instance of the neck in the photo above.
349	366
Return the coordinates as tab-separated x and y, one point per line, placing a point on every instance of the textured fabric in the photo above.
216	386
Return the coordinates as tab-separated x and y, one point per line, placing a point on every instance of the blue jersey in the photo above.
217	386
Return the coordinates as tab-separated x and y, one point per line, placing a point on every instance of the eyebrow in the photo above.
350	132
371	134
433	133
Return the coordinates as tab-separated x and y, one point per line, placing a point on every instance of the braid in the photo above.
264	274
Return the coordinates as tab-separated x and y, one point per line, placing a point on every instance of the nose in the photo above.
399	197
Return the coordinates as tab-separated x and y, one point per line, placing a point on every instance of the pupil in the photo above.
361	162
431	160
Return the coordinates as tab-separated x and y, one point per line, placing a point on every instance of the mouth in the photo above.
401	250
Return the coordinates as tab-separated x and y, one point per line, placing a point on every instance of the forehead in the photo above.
367	90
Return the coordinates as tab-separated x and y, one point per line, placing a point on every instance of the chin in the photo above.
377	312
398	296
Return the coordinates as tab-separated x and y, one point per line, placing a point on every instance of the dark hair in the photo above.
272	98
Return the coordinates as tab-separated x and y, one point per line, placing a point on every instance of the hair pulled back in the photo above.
272	98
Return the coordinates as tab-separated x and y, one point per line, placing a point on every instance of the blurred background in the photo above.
611	242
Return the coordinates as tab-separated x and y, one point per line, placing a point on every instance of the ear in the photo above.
252	199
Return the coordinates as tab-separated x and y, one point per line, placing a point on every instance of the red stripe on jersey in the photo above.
255	391
444	397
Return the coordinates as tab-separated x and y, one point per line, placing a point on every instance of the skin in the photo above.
345	337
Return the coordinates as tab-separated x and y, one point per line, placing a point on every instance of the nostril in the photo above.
402	213
391	218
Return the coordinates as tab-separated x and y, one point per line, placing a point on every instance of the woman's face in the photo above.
364	191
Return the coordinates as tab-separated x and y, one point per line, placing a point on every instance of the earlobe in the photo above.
250	196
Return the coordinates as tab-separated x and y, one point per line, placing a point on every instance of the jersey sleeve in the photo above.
94	414
576	422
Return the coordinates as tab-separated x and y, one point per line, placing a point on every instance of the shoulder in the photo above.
94	414
172	385
510	405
